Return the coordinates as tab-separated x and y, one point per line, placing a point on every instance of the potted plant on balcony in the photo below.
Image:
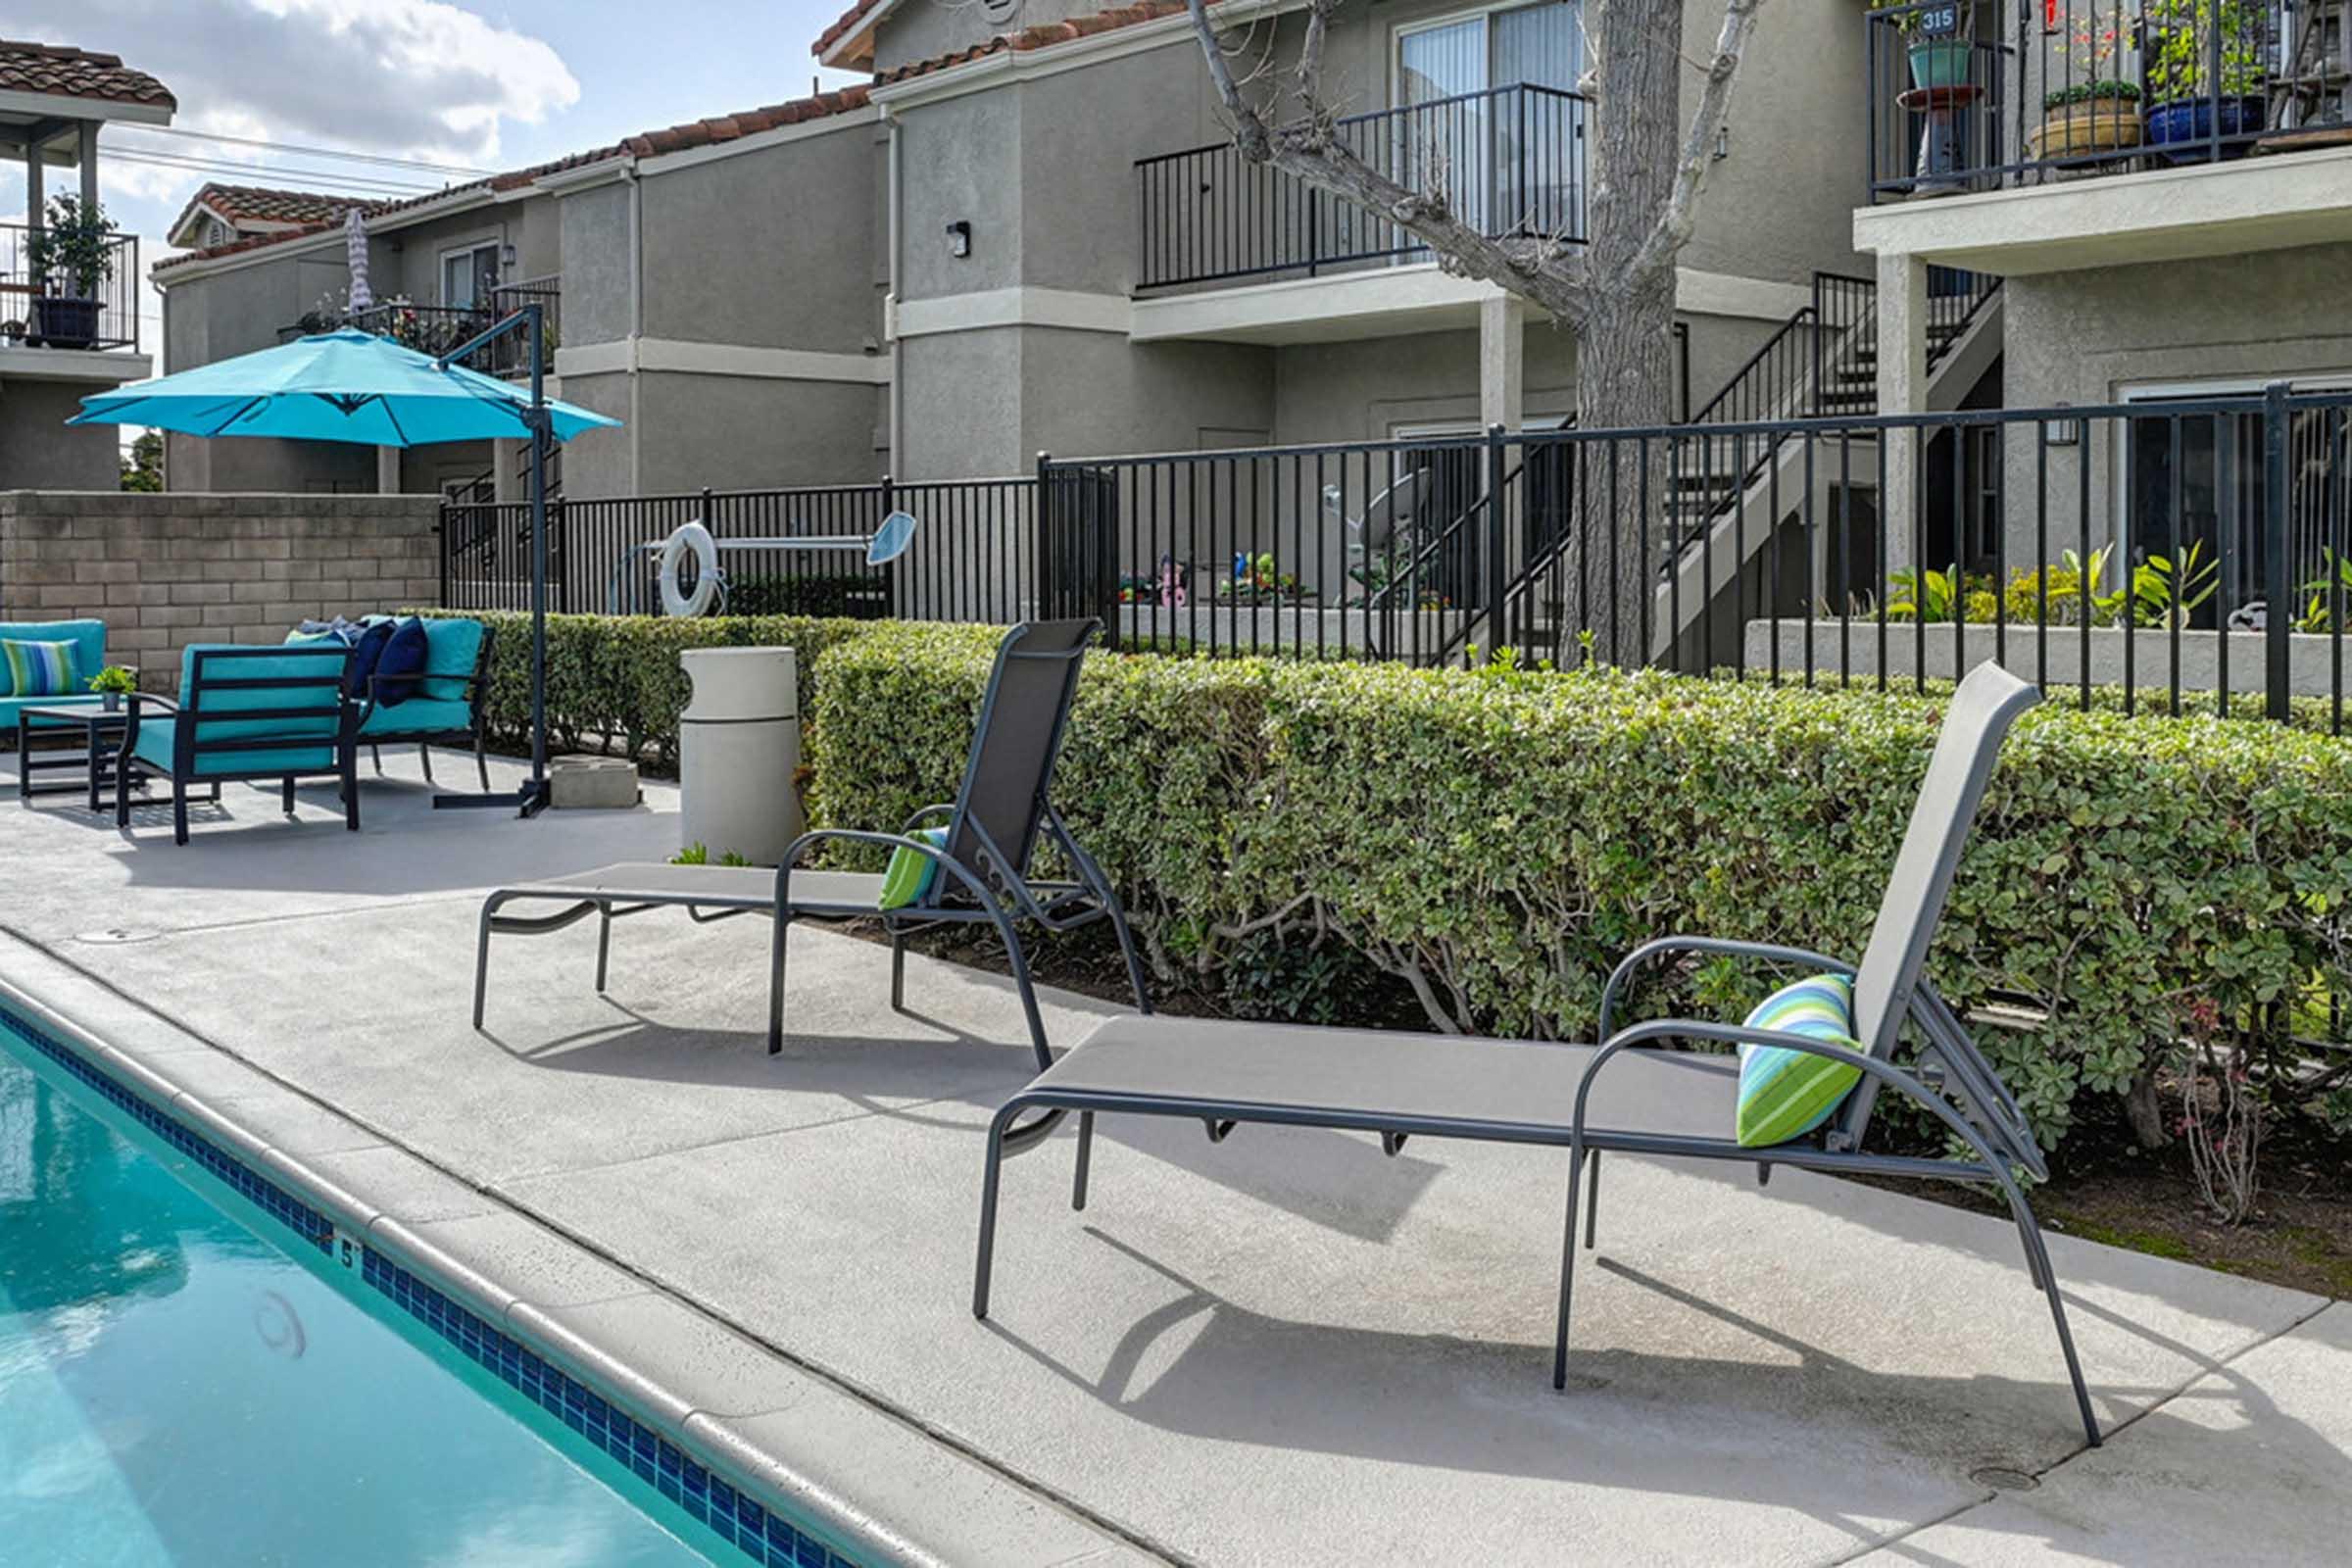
2204	68
71	259
1942	35
2091	111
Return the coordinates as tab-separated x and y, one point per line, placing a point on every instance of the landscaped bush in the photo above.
1497	840
613	680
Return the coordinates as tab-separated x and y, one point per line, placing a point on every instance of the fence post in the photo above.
1049	586
890	575
2277	591
441	526
559	544
1497	576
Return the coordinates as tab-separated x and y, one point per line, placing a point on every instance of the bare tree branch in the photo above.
1673	228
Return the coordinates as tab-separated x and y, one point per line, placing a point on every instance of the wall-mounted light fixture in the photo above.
506	256
2063	432
1723	142
959	239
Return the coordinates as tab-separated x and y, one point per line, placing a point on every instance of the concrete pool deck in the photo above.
1281	1350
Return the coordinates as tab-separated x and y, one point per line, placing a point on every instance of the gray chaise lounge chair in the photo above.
999	813
1402	1085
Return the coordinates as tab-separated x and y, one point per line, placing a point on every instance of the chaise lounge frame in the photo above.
1002	812
1401	1087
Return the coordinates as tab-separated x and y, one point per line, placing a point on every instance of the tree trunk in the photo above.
1623	380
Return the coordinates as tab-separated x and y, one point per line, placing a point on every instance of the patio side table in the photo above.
100	730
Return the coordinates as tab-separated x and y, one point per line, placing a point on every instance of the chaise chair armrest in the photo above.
928	812
850	835
1695	944
1882	1072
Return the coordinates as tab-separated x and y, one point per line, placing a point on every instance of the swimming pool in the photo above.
196	1370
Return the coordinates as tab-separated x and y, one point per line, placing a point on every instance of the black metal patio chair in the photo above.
1001	812
1666	1104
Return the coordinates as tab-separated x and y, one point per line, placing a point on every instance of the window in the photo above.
2200	480
1508	161
468	277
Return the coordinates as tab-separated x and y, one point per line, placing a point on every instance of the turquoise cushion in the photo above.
89	638
209	704
452	651
910	875
419	715
40	669
10	706
1785	1093
157	740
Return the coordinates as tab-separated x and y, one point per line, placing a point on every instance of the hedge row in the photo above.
613	680
1498	839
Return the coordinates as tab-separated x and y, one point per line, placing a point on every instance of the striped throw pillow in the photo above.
39	670
1783	1093
910	874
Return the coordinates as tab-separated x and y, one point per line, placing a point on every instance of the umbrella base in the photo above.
529	800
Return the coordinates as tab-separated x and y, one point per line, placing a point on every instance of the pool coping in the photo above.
731	1404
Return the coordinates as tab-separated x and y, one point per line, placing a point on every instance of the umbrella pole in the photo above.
535	793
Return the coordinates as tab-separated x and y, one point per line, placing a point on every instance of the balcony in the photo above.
54	312
1510	160
436	329
1965	98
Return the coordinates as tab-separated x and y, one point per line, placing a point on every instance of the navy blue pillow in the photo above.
401	662
367	651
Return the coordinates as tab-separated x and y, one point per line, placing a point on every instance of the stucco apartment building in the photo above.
1031	233
982	256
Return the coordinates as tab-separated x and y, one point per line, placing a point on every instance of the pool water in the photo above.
176	1389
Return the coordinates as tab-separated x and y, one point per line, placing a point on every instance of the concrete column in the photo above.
1501	362
387	470
88	156
1902	389
32	187
506	470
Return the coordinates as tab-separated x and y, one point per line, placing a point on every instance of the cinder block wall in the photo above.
165	570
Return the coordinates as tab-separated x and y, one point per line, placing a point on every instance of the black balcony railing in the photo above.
438	328
1510	161
48	312
1969	96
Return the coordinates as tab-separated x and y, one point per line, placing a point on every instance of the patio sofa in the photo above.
245	713
439	705
89	638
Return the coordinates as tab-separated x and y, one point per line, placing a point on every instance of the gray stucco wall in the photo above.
739	433
597	270
39	450
773	249
601	463
2091	337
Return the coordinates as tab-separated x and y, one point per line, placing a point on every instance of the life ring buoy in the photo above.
691	536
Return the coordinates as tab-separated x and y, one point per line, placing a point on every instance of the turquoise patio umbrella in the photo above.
346	385
354	387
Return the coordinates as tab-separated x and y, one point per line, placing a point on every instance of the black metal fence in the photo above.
1964	96
2160	548
2154	550
973	557
1508	161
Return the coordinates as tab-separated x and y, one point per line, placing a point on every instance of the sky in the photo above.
449	83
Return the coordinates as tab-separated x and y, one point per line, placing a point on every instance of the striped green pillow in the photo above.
910	874
39	670
1785	1093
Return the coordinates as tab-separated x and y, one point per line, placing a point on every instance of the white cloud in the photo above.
416	77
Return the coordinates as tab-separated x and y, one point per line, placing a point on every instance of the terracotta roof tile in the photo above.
1043	36
648	144
62	72
844	24
263	204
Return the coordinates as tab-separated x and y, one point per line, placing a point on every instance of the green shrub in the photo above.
614	681
1498	839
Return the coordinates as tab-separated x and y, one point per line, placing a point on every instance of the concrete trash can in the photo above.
739	745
